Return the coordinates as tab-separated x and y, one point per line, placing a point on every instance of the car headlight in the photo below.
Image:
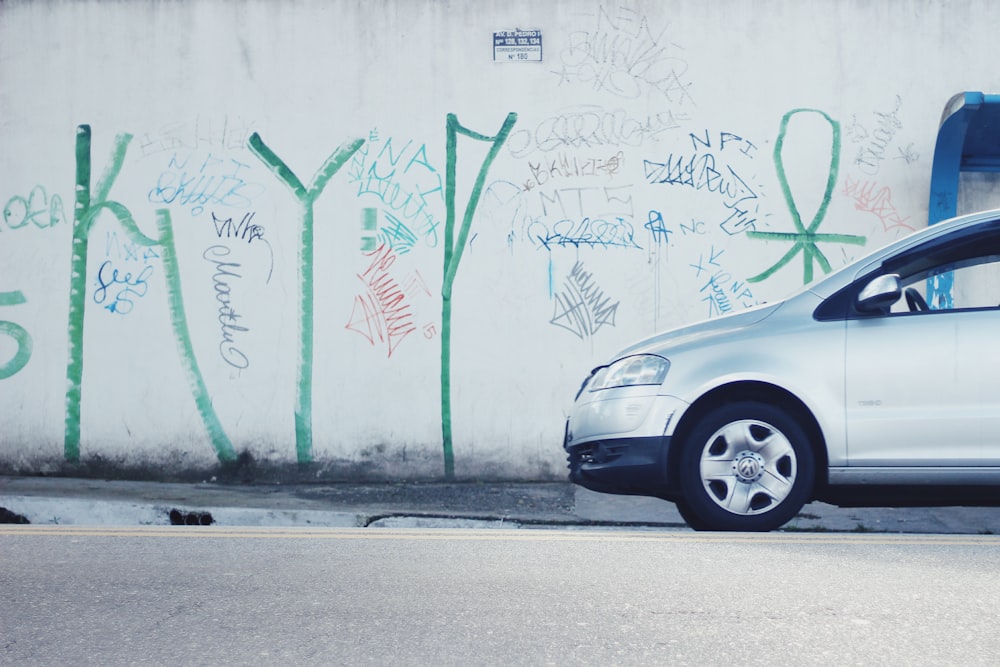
630	371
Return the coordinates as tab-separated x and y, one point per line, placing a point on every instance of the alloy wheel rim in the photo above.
748	467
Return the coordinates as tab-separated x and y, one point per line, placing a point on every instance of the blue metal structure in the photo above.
968	140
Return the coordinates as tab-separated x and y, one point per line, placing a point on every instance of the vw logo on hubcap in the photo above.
748	466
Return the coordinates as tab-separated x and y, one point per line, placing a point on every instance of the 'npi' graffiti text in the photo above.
225	272
701	171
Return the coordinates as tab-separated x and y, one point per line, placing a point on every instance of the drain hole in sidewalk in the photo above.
6	516
181	518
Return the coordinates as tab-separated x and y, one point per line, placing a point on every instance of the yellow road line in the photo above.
516	535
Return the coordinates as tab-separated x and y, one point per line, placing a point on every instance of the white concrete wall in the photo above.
641	156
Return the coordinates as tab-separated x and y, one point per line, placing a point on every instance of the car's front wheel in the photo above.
745	466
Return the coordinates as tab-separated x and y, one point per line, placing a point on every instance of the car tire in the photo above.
745	466
690	518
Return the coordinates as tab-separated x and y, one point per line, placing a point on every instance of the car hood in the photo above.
701	331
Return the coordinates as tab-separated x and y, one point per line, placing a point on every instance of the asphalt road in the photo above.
208	595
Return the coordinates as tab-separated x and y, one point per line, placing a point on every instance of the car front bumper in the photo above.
618	442
630	466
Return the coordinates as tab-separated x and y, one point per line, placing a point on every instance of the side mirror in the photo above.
879	294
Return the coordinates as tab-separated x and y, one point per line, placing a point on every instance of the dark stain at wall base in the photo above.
186	518
377	464
6	516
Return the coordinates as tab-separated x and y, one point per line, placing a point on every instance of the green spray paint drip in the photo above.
85	213
453	249
20	335
306	198
804	239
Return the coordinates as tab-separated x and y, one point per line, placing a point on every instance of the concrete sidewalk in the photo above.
71	501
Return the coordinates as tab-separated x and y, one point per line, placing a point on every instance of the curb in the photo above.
76	512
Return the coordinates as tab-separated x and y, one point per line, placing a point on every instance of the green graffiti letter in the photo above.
178	321
306	198
88	207
18	333
453	249
804	238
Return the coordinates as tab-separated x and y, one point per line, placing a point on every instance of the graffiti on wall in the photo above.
400	177
593	127
586	232
708	168
871	197
194	180
805	237
566	216
225	134
382	310
123	277
556	207
242	232
624	55
720	291
874	141
455	240
305	198
576	166
18	334
38	208
232	327
118	289
581	306
91	201
875	138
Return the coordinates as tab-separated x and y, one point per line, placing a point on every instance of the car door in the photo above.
923	389
923	383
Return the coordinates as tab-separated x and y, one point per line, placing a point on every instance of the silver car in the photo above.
878	384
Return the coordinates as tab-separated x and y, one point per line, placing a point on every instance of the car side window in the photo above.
962	269
959	275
